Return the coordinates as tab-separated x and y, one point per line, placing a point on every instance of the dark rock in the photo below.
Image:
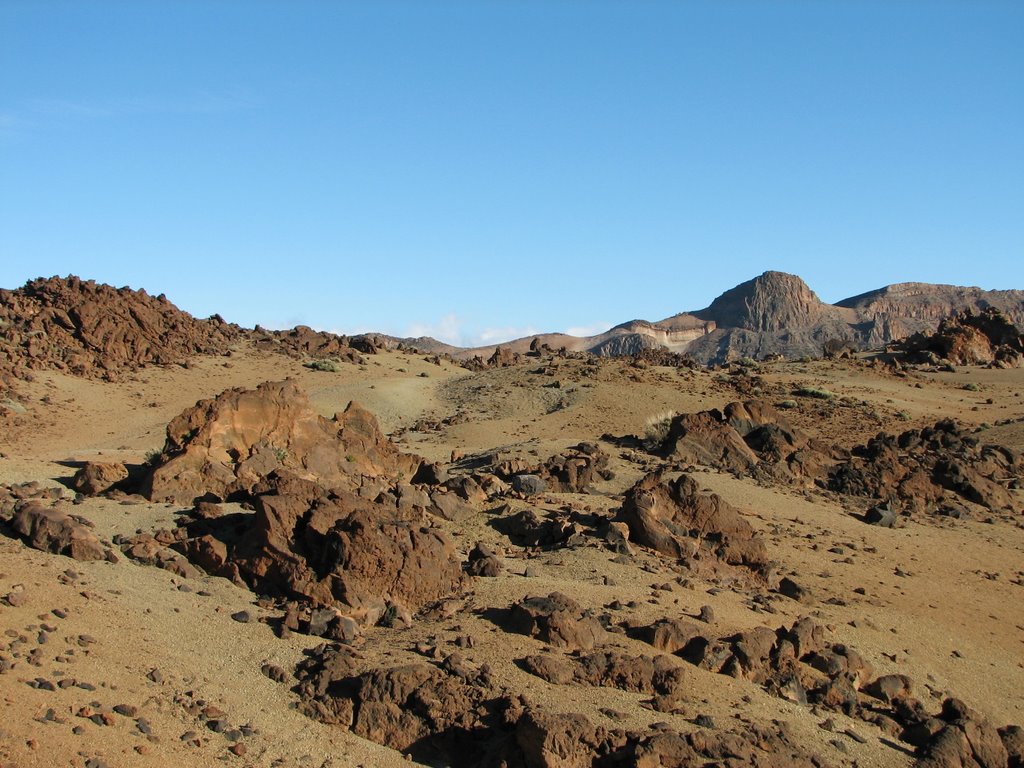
531	485
557	620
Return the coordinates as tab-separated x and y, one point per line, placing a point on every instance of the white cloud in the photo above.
500	335
453	330
448	329
588	330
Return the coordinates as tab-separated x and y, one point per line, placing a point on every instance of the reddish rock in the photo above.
343	550
51	530
705	438
95	477
225	446
557	620
94	330
678	520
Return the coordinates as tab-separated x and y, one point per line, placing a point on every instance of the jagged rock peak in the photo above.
773	301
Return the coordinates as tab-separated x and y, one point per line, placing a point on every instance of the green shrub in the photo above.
820	394
656	430
328	366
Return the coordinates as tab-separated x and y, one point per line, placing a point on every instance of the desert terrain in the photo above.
783	592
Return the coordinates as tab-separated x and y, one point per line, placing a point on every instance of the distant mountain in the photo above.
99	331
778	314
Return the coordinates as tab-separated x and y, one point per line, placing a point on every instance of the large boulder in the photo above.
341	550
705	438
557	620
677	519
50	530
224	446
97	477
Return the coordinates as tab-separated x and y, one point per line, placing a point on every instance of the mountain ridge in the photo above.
775	313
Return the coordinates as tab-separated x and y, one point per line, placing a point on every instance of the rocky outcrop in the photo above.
304	342
93	330
705	438
454	714
340	550
658	676
916	469
774	301
574	470
986	338
677	519
224	446
358	559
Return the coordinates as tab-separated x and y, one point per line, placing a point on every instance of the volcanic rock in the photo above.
659	675
706	438
968	339
917	466
678	520
223	447
97	331
50	530
965	741
340	549
452	714
557	620
95	478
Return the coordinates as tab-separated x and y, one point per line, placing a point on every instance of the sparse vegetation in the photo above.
152	457
323	364
815	392
656	429
971	387
787	404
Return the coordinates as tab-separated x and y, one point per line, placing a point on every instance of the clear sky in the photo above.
479	170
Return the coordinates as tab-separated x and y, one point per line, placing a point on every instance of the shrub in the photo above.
820	394
656	429
329	366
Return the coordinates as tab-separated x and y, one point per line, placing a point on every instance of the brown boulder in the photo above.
50	530
340	549
557	740
96	477
678	520
669	635
705	438
966	741
223	447
557	620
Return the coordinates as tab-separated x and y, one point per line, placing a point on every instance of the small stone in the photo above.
242	617
705	721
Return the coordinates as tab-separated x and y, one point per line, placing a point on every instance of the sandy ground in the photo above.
943	600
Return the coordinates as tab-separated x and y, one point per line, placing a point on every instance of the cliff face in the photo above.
777	313
771	302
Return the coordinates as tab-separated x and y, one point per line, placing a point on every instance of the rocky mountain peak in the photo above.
773	301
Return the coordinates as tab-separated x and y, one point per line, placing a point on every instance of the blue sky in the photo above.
480	170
